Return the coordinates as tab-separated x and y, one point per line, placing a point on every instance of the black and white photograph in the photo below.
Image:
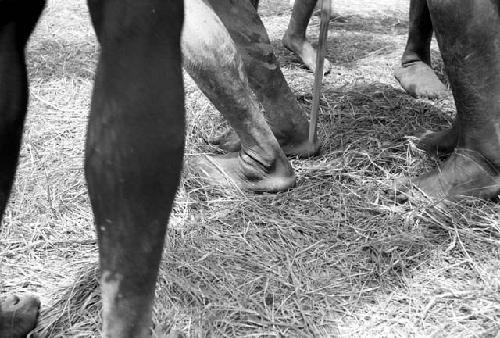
249	168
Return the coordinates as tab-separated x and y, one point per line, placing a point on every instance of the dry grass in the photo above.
335	256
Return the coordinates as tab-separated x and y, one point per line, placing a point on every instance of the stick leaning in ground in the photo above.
326	7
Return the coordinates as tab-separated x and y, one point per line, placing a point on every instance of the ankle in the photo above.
410	58
294	37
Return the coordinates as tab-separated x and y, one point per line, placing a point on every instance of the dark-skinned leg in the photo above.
468	34
295	36
134	151
415	75
18	316
212	60
255	4
282	111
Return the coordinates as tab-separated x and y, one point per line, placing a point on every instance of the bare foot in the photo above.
18	316
419	80
245	172
230	142
439	143
305	51
465	173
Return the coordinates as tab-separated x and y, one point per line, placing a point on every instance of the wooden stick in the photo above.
326	6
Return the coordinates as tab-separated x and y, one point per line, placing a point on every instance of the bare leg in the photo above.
284	115
215	64
415	75
295	36
468	33
255	3
134	151
18	316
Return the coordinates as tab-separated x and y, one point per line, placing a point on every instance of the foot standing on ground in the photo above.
295	35
415	74
469	38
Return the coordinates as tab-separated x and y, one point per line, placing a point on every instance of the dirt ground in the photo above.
333	257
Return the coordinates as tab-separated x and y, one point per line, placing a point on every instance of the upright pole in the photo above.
326	6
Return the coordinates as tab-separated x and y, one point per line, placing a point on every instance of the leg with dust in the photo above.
469	39
18	315
295	35
213	61
282	111
134	151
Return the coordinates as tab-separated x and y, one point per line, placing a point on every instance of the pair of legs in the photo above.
415	74
133	154
417	77
228	53
468	34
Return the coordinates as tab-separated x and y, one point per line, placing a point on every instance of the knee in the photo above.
206	46
447	9
154	19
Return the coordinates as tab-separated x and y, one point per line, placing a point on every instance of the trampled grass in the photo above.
333	257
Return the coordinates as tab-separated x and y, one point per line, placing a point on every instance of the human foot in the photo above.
305	51
419	80
465	173
246	172
302	148
18	316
